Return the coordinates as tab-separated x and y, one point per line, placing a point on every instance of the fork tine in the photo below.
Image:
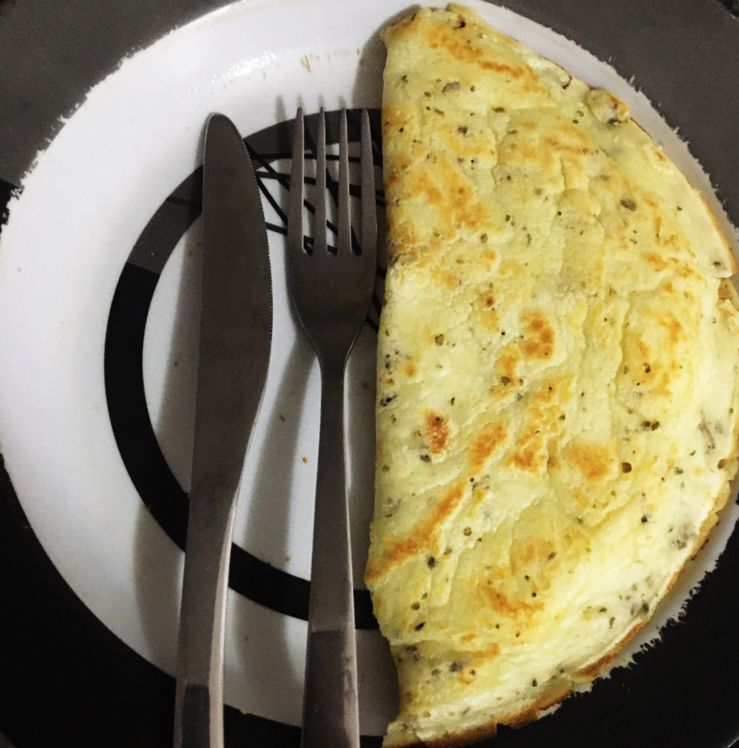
295	205
319	231
344	232
369	209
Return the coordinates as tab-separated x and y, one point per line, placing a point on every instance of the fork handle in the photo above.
330	708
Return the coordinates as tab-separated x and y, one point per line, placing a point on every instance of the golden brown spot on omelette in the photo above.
463	50
651	203
503	605
553	454
673	327
490	319
594	461
486	444
655	260
398	553
405	236
442	511
422	184
508	362
525	459
463	208
467	147
421	538
446	279
410	368
443	187
581	499
570	148
538	342
528	153
437	432
491	649
523	554
394	118
511	269
397	164
725	290
530	455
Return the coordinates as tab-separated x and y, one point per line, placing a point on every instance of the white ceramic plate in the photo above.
94	218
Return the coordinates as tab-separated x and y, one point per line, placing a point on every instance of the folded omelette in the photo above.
557	379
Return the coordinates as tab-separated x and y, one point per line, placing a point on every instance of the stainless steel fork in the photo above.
331	293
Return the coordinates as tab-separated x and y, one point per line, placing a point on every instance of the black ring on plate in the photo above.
124	380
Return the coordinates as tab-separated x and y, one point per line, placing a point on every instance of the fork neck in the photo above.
332	372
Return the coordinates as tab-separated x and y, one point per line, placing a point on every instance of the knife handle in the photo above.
196	717
330	708
199	695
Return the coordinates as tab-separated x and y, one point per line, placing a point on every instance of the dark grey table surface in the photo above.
67	680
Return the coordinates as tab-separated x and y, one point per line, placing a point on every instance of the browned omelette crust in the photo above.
546	263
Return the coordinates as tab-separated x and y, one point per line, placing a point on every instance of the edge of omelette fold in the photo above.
557	379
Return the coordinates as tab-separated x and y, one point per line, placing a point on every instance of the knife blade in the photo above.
233	356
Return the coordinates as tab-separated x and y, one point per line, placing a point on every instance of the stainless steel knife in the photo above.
235	339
